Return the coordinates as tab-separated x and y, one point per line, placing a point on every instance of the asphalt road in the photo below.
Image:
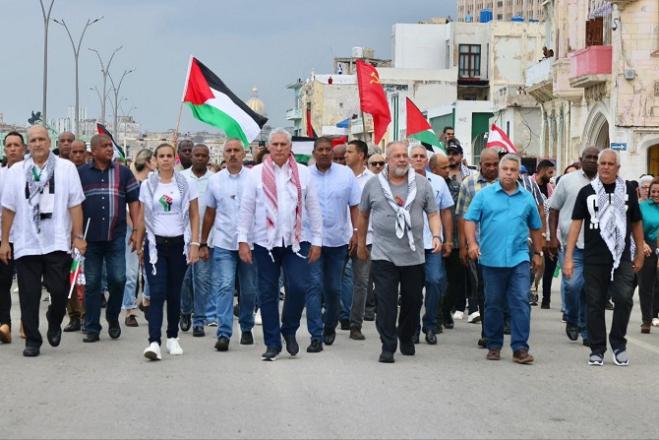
109	390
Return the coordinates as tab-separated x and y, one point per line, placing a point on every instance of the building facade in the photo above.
500	10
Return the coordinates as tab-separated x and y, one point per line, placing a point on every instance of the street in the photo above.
108	389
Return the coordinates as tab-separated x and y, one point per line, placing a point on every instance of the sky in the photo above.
247	43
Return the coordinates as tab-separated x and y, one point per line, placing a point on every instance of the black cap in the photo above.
454	147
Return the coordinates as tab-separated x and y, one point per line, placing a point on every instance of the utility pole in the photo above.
76	55
105	71
46	22
115	89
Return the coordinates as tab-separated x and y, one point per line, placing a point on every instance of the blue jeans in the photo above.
574	294
326	279
165	286
109	254
435	288
223	283
507	285
132	272
296	273
195	291
346	290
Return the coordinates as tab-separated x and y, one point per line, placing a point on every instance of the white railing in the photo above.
539	72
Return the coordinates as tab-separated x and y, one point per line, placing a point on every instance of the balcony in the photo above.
590	66
539	81
293	114
561	79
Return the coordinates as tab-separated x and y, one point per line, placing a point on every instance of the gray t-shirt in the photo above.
563	199
386	246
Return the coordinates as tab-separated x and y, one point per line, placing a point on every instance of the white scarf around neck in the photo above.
403	219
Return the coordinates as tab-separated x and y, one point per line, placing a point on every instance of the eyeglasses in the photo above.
376	164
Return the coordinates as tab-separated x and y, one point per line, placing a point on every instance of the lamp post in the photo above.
46	22
105	71
76	55
115	89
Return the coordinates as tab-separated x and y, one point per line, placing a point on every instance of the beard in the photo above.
400	171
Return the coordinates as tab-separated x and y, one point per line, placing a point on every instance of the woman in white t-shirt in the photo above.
169	217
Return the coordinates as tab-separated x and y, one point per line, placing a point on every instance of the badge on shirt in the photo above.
46	201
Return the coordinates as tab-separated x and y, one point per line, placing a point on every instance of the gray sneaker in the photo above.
620	358
596	360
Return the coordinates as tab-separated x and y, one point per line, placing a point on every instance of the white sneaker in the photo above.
152	352
257	318
458	315
474	318
173	347
655	322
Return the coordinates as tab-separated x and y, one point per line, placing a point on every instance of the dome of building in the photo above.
255	103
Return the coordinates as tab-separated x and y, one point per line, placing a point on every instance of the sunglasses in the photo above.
377	164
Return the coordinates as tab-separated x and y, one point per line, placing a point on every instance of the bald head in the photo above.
489	154
78	149
64	141
489	164
38	143
340	154
439	165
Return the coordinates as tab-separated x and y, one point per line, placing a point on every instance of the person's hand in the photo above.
352	245
436	245
568	267
203	253
132	241
362	252
464	255
5	252
637	265
80	244
536	263
245	253
193	255
552	248
474	251
447	249
647	250
314	254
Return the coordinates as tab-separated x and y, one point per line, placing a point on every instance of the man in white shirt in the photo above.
222	208
339	194
197	281
278	197
42	209
356	275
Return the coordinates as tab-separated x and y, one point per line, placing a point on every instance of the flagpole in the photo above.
178	123
180	109
75	274
364	127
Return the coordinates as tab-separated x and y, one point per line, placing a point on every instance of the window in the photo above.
470	61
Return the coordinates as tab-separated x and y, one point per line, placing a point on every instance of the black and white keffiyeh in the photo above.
36	182
402	209
611	217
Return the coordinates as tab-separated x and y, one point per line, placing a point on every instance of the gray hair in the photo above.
510	157
280	131
609	151
648	178
391	144
414	147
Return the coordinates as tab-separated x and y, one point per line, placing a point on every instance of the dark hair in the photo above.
448	127
576	165
655	181
545	163
181	144
13	133
321	140
361	146
260	155
155	152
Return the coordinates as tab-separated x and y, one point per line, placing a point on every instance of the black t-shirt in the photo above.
595	249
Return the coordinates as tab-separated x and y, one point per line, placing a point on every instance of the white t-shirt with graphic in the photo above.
166	207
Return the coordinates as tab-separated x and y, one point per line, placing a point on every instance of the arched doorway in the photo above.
653	160
596	129
602	137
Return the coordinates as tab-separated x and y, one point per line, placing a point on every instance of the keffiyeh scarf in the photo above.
611	218
400	207
36	182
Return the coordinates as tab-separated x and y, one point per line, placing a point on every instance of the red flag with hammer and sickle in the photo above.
372	98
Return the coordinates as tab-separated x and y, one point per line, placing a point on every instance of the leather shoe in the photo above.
114	329
345	324
91	337
356	333
572	332
482	343
198	331
407	348
292	346
54	335
131	321
246	338
493	354
431	338
186	321
31	351
222	344
522	356
315	347
72	326
386	357
329	335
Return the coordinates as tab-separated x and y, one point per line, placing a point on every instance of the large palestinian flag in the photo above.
420	129
212	102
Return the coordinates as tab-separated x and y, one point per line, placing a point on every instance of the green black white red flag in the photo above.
419	128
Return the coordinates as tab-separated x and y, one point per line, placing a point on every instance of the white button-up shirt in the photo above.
362	178
253	208
338	190
444	201
55	234
202	185
224	195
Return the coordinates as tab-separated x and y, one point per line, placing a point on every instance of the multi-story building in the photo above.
500	10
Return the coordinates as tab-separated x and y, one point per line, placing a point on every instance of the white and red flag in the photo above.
499	139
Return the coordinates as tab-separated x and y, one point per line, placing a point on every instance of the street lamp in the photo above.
105	71
46	22
76	54
115	89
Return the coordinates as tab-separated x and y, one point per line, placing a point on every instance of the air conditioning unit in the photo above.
630	74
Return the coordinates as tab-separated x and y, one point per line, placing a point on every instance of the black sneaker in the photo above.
73	326
329	335
482	342
198	331
431	338
572	332
345	324
222	343
246	338
316	346
186	321
292	346
386	357
91	337
545	305
31	351
114	329
407	348
271	353
54	333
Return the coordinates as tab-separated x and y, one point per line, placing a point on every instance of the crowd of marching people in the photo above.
411	239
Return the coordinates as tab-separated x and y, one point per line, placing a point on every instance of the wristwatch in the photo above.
539	253
656	251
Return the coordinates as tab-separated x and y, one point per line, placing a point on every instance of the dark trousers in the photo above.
387	277
6	276
648	290
165	285
30	269
547	278
476	289
598	284
455	298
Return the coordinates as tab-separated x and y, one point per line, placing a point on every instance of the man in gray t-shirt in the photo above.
397	255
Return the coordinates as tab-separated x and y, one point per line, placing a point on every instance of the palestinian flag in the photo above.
302	149
119	152
212	102
420	129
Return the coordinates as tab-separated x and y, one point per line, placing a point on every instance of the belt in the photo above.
169	241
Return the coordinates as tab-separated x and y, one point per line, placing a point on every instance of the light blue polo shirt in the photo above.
504	222
650	212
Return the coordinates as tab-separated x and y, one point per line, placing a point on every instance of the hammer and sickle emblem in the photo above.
375	79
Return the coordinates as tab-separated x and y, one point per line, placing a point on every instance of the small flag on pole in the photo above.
498	138
118	151
420	129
